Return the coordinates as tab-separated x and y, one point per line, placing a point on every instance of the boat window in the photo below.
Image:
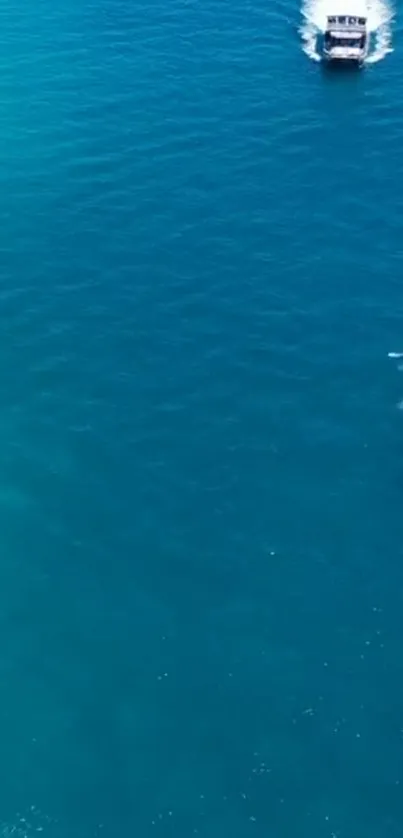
346	42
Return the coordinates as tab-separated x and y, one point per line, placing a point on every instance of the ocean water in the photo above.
201	576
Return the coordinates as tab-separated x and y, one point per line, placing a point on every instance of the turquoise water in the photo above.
201	583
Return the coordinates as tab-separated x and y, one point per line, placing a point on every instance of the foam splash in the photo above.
397	356
379	13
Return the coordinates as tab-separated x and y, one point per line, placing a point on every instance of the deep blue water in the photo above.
201	576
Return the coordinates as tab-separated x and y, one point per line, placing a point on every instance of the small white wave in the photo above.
25	824
380	15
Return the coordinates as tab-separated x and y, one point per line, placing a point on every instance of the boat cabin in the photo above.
345	38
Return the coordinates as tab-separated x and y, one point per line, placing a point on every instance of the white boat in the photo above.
346	37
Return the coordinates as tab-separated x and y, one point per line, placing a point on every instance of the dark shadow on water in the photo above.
345	79
334	69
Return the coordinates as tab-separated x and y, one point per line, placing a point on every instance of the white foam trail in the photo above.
379	13
380	17
314	17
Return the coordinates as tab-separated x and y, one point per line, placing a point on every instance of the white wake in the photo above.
380	17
